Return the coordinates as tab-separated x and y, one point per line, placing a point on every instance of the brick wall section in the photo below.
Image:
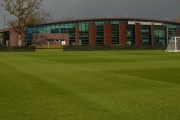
13	39
137	34
77	34
55	38
152	34
92	34
107	29
122	33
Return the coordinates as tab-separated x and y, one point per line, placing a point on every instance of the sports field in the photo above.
89	85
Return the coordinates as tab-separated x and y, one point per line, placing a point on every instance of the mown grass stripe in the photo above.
52	84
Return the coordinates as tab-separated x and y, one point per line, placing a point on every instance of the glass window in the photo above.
48	27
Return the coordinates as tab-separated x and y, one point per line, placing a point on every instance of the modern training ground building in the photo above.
98	31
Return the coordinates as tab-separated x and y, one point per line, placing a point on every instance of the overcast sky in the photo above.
155	9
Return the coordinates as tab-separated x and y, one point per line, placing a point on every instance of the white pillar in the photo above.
48	44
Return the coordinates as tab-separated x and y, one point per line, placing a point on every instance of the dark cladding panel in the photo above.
77	34
152	34
178	31
137	34
122	33
92	34
107	29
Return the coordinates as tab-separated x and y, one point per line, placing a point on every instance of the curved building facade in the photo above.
106	31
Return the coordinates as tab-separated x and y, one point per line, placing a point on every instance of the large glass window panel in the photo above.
54	30
130	35
48	31
57	26
53	26
115	33
145	35
65	25
48	27
99	33
159	35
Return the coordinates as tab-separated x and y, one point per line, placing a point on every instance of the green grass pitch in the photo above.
90	85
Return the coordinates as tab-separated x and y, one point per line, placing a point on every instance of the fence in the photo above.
17	49
95	48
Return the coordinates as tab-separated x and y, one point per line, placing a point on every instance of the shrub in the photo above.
46	47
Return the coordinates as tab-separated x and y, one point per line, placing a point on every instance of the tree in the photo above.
39	39
176	19
27	13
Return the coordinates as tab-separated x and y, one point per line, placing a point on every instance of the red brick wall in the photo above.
137	34
77	34
107	29
92	34
122	33
152	34
55	38
13	38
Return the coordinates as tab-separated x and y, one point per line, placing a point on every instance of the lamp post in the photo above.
63	28
126	15
116	32
63	31
3	37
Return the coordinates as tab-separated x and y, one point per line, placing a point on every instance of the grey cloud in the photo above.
155	9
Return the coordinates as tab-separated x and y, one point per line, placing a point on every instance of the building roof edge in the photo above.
114	18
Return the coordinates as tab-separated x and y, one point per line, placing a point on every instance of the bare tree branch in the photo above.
27	13
176	19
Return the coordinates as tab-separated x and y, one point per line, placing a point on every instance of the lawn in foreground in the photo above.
52	84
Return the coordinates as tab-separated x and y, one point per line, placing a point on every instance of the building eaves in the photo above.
94	19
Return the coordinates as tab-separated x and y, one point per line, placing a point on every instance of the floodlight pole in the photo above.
142	30
116	32
3	40
126	15
63	28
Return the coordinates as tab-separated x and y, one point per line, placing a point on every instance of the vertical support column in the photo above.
122	33
137	34
152	34
107	29
167	36
178	31
77	34
7	42
92	34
